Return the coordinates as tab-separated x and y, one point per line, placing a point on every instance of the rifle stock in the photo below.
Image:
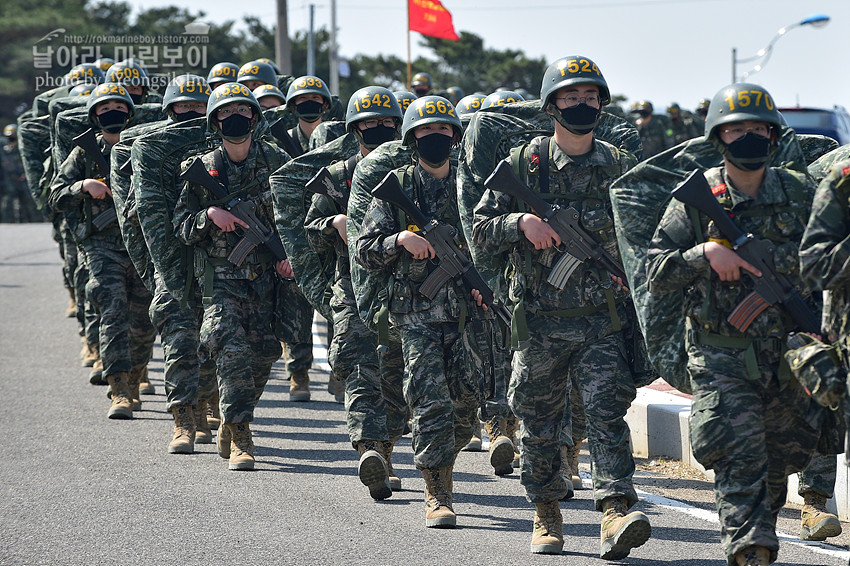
772	287
323	183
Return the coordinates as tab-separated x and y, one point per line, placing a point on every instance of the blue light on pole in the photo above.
815	20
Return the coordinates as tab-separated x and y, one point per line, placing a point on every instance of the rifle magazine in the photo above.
563	270
240	251
434	282
747	311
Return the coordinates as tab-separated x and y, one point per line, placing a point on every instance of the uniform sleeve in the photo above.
318	224
377	245
825	248
495	224
674	258
66	191
191	224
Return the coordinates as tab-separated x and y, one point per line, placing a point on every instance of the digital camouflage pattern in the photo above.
236	331
444	366
126	334
34	140
750	421
374	402
571	334
639	198
685	127
489	138
819	475
326	132
125	202
16	202
820	167
814	147
291	202
656	136
156	158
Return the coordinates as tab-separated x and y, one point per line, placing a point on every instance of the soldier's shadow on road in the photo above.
277	422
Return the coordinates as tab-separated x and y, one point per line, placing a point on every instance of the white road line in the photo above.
711	517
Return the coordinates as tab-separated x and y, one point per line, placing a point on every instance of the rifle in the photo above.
256	234
578	245
772	287
453	260
323	183
88	143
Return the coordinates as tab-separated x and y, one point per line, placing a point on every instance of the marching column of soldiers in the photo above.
471	270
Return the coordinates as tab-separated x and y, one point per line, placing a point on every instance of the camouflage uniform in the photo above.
825	250
17	204
571	333
177	323
374	403
439	345
656	136
236	330
684	127
750	421
126	334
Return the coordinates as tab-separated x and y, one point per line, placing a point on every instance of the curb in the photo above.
658	419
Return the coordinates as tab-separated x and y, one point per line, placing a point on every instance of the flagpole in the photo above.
408	44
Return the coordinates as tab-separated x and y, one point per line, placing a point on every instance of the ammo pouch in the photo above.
293	314
817	367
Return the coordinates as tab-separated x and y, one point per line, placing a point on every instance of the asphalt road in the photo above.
77	488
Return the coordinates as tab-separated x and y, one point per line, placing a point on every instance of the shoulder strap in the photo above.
543	175
221	165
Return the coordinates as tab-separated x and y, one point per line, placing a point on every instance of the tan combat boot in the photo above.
753	556
387	453
573	454
145	385
548	534
336	387
438	498
501	447
816	522
89	354
213	412
299	386
621	532
372	469
241	447
567	474
203	433
71	311
223	441
474	444
135	376
96	374
512	432
183	440
122	407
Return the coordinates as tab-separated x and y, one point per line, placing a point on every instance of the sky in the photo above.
659	50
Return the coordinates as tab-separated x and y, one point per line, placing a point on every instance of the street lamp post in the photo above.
816	20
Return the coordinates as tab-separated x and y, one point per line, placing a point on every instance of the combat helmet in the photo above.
85	73
368	103
104	63
185	88
423	81
227	94
308	84
500	98
224	72
573	70
470	104
83	89
271	63
109	91
702	107
429	110
257	71
404	98
264	91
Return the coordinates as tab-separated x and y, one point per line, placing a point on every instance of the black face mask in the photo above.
190	115
236	127
373	137
421	91
434	148
12	139
644	113
113	121
137	98
750	152
579	119
309	110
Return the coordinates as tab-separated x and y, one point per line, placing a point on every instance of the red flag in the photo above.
429	17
